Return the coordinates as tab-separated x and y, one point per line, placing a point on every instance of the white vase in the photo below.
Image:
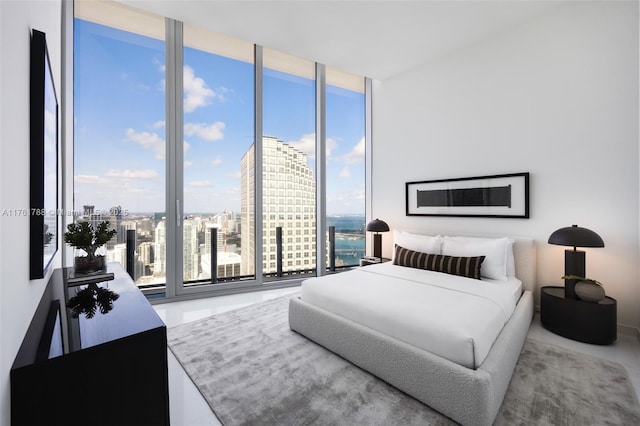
589	292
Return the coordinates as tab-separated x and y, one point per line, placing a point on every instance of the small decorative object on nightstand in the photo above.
576	319
587	289
377	226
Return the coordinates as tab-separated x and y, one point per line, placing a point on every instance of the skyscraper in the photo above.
159	250
191	256
288	201
123	227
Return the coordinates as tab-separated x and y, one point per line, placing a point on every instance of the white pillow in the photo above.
417	242
498	263
511	260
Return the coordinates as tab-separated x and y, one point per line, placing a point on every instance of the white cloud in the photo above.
356	155
345	172
211	132
158	124
217	161
188	164
133	174
201	184
196	91
330	146
89	179
307	144
236	175
147	140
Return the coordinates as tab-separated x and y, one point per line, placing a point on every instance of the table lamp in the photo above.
377	226
574	264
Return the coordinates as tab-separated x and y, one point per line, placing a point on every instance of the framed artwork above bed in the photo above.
503	196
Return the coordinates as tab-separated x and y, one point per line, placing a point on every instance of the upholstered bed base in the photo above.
470	397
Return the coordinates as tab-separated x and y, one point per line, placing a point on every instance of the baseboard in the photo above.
629	330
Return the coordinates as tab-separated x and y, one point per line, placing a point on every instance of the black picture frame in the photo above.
43	191
498	196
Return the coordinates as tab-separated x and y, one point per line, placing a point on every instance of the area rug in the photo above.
253	370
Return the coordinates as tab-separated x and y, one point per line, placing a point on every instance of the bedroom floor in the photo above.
188	407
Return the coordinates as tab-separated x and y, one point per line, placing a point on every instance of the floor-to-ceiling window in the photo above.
288	171
221	181
119	140
345	167
218	127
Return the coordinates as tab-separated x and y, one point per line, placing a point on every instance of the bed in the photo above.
459	360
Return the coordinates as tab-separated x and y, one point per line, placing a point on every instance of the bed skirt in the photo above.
470	397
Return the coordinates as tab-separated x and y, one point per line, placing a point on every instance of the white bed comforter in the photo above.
453	317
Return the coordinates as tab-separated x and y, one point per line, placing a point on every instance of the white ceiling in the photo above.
378	39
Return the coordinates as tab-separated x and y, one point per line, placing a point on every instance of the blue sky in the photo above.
120	131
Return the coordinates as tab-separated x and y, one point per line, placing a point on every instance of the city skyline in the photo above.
150	266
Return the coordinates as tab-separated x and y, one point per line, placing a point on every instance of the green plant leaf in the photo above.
579	278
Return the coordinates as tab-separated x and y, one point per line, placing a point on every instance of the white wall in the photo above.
19	296
556	97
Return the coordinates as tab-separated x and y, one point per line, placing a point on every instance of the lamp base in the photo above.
573	265
377	246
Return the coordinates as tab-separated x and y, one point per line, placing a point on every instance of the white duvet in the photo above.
453	317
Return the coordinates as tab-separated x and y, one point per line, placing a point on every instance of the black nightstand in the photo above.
366	261
574	319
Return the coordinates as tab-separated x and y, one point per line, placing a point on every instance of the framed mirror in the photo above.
43	196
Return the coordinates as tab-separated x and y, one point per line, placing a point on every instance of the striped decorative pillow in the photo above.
463	266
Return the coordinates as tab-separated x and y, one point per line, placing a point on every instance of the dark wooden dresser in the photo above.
109	369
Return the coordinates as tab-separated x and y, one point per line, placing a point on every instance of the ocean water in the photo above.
350	238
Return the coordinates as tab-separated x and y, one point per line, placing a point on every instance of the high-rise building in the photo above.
228	265
123	227
288	201
118	254
247	210
207	239
115	218
191	257
159	250
227	260
145	253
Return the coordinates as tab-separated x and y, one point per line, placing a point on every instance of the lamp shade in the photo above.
377	225
576	236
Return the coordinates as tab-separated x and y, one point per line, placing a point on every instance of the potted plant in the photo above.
87	241
587	289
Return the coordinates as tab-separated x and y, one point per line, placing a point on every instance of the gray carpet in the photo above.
253	370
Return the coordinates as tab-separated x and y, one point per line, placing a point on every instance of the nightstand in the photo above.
366	261
578	320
